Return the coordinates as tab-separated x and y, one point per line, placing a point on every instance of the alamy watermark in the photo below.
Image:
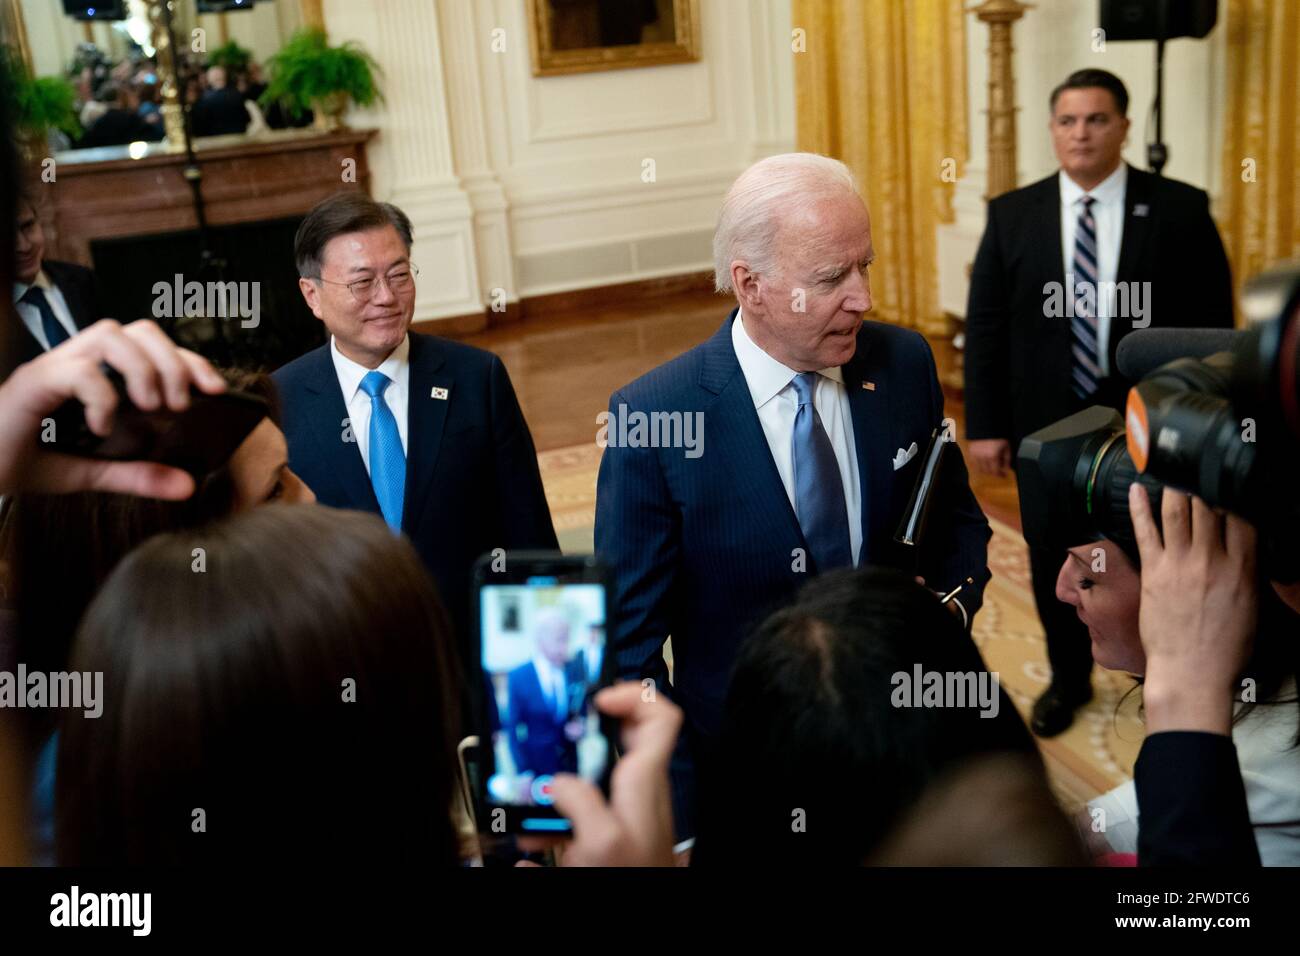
74	690
215	300
922	688
1128	300
624	429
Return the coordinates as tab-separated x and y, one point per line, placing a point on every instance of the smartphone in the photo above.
198	440
542	625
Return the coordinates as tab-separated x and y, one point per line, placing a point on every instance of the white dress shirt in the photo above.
1108	217
350	374
551	679
31	315
776	404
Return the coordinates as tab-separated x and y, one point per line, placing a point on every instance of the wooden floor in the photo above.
565	366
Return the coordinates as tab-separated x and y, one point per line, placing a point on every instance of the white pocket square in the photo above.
904	456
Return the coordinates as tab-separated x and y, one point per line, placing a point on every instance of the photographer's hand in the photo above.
635	828
1199	608
157	373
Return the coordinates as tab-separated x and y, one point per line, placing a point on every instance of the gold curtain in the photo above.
1261	135
881	85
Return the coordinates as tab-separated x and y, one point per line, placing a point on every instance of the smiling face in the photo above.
1107	602
1088	134
807	311
29	245
366	332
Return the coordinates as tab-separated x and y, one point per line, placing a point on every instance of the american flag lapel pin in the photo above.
869	386
438	393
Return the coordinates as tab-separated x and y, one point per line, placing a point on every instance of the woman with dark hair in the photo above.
59	549
292	701
825	741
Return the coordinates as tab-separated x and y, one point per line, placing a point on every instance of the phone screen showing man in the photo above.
543	655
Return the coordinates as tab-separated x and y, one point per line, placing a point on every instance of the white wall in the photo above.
1053	40
544	189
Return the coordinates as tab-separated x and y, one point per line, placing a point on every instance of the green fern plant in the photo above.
38	104
309	73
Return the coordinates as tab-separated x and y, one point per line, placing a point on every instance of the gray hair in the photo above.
758	201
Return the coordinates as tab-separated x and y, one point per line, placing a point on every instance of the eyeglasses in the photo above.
399	282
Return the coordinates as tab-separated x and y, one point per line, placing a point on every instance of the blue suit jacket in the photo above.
703	549
536	734
472	482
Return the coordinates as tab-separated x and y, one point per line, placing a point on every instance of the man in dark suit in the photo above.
542	702
814	420
54	300
423	431
1067	267
220	110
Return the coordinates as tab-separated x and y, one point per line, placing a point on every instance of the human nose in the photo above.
1065	589
382	293
858	293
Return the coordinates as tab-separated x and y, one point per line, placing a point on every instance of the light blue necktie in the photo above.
387	460
1086	371
818	488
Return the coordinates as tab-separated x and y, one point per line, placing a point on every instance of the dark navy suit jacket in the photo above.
472	482
703	549
536	732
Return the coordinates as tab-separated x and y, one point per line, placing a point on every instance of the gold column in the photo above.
1000	15
223	28
13	30
172	110
313	14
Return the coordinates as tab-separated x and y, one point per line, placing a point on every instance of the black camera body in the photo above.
1223	425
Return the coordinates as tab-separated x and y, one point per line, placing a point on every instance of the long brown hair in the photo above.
59	549
291	697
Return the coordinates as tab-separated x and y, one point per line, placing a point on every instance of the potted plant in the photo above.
232	56
37	104
309	73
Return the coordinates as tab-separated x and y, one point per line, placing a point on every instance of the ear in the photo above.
311	293
746	285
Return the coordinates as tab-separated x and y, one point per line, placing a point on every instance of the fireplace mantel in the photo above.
140	190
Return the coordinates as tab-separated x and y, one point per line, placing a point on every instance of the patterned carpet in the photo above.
1094	755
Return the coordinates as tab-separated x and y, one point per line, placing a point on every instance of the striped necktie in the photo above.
1086	371
819	490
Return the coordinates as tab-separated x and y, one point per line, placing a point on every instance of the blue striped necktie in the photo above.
818	489
1086	370
55	333
387	460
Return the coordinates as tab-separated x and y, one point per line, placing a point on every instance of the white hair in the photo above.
761	198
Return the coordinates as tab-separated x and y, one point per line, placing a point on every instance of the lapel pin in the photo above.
869	386
1141	209
440	393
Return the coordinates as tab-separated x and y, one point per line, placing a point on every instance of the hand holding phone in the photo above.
542	624
635	828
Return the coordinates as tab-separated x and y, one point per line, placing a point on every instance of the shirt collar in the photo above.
1109	190
545	670
765	376
351	373
42	281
